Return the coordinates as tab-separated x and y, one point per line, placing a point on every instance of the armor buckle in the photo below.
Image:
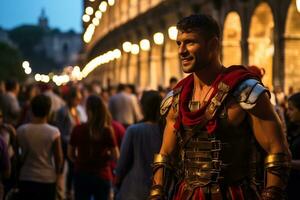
214	176
216	145
215	155
216	165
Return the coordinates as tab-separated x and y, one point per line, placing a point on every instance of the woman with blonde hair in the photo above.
92	146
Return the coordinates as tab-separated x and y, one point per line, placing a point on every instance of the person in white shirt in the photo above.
40	153
122	107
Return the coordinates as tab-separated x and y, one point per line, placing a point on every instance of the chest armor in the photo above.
228	155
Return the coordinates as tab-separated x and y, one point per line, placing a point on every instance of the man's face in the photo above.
192	50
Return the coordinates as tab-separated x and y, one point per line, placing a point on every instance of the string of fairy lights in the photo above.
75	74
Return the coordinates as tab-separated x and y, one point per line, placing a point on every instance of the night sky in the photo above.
62	14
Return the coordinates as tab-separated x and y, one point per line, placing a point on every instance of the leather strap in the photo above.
210	111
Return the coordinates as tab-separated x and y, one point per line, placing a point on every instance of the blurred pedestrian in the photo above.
4	166
10	104
66	119
8	134
141	142
2	88
131	90
30	92
172	83
293	113
122	107
39	145
92	147
119	132
56	100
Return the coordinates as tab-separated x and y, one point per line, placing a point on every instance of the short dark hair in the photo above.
71	95
295	99
40	105
173	79
205	23
150	103
11	84
121	87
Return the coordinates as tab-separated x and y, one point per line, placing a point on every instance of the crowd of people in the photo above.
82	131
64	142
82	142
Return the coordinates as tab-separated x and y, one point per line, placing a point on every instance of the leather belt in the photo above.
211	176
201	145
205	155
199	166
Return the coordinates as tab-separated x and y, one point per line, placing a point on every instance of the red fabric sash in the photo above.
234	192
231	76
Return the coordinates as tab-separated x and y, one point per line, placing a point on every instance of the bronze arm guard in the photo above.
278	164
157	191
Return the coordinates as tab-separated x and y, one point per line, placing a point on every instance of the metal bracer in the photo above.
279	165
160	163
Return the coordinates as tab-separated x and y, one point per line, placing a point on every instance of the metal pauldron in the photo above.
166	103
248	92
278	164
157	191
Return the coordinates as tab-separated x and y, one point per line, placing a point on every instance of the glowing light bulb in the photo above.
126	46
111	2
145	44
172	31
135	49
86	18
103	6
89	10
158	38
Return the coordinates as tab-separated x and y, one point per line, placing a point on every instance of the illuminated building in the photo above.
265	33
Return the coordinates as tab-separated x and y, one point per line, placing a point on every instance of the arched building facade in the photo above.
133	40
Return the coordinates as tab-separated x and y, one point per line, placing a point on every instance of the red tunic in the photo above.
92	156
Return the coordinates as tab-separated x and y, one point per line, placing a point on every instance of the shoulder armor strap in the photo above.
168	100
248	92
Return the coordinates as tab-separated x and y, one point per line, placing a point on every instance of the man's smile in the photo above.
186	60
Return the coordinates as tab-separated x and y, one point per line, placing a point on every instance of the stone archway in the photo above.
133	69
172	65
156	72
261	41
292	48
231	44
145	74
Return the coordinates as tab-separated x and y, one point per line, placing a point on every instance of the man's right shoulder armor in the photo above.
168	100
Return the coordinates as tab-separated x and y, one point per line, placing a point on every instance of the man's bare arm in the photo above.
168	143
161	164
269	134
